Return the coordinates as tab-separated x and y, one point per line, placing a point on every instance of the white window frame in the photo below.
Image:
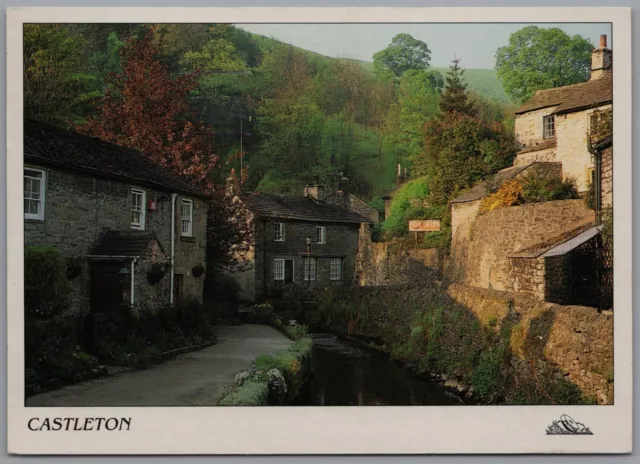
278	265
550	117
43	179
143	208
310	269
189	232
321	235
279	232
336	269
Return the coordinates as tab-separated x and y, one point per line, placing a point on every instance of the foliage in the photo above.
455	97
52	355
607	227
56	87
487	377
459	151
271	380
590	196
534	188
218	54
601	127
509	194
403	54
147	110
539	58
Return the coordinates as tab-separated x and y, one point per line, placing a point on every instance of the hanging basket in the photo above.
74	268
156	273
197	271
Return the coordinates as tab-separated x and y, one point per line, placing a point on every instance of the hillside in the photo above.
483	81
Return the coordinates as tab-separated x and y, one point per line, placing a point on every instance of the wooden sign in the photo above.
426	225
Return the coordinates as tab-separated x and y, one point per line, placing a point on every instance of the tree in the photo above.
404	53
57	84
538	58
145	109
455	96
218	55
459	151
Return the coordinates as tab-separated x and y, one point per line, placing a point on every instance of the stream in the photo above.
347	374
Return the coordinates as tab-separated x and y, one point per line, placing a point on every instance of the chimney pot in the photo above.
603	41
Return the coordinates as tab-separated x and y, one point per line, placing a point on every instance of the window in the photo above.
186	215
336	269
591	175
279	232
549	126
278	269
310	269
321	234
138	200
34	180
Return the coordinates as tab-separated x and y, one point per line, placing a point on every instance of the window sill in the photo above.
187	239
33	220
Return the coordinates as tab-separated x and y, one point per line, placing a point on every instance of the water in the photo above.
347	374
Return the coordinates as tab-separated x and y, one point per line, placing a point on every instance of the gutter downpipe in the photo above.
133	282
173	244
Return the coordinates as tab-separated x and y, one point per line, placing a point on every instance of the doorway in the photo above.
288	271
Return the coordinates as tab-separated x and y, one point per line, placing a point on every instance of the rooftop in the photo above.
482	189
44	144
129	243
300	208
572	98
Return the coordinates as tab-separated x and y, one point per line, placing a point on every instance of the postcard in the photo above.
319	230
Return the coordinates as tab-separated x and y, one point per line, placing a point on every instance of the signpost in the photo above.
424	225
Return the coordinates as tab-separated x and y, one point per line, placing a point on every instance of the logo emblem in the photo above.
567	426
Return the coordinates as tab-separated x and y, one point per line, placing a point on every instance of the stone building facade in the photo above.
553	125
298	241
108	209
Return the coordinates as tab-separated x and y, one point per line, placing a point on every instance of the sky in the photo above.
474	44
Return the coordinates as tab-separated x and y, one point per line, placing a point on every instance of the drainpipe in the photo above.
598	187
173	243
133	282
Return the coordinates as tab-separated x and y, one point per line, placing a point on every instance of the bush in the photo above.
271	380
46	287
487	376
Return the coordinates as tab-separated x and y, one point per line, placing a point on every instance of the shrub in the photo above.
538	187
252	393
46	289
487	376
509	194
277	387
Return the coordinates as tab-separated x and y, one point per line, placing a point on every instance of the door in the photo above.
288	271
107	286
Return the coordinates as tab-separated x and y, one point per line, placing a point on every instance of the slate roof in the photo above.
574	97
574	235
479	191
129	243
58	147
300	208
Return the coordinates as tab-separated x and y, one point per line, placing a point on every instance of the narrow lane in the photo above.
191	379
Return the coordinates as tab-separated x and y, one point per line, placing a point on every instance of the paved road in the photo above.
191	379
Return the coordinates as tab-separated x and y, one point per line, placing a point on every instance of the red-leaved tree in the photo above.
147	109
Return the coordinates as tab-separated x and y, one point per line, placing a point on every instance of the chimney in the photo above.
601	59
315	191
342	195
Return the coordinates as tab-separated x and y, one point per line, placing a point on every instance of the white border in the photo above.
329	430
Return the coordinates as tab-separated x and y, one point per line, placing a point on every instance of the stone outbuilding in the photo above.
117	217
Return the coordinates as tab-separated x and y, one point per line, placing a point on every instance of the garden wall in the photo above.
481	248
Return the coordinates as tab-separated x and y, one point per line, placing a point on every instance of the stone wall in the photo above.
548	154
527	276
79	208
389	263
528	127
576	339
480	250
607	177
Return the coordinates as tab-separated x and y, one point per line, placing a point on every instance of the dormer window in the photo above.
549	126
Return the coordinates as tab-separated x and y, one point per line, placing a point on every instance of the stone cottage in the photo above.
122	220
550	250
301	240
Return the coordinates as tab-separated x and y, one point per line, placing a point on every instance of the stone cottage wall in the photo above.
79	208
607	177
480	251
341	242
527	277
548	154
528	127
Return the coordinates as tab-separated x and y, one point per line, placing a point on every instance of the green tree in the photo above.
459	151
57	84
538	58
455	96
404	53
219	54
